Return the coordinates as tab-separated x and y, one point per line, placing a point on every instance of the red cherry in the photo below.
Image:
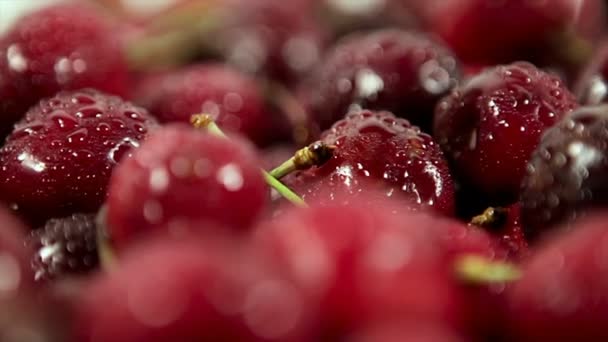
490	125
15	270
190	290
399	71
484	30
65	46
231	98
59	158
377	156
180	174
362	264
562	294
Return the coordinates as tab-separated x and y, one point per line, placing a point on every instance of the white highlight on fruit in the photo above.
432	170
159	180
389	252
359	7
272	309
300	53
16	60
30	162
10	273
230	176
153	212
583	155
369	84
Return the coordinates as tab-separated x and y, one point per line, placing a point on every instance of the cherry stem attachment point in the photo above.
315	154
204	121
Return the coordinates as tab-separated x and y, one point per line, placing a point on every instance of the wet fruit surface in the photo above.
59	158
181	174
69	46
64	246
379	155
399	71
490	125
566	175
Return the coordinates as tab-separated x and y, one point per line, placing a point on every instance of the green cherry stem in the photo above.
477	269
205	121
315	154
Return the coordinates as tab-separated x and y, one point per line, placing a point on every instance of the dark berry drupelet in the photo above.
64	246
567	173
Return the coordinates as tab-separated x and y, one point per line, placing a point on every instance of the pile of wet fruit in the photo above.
305	170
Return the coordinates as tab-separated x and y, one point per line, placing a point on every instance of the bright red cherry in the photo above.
363	264
562	294
190	290
180	174
64	46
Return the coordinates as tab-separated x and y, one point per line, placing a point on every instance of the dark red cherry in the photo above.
233	99
399	71
566	174
59	158
489	126
378	155
64	46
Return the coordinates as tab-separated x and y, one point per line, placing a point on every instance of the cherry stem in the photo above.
107	257
490	218
205	121
315	154
477	269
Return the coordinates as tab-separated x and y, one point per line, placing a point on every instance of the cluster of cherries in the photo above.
306	170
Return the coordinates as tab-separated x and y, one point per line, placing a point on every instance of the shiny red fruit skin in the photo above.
181	174
379	156
363	264
562	294
62	47
233	99
189	290
566	175
489	126
60	156
399	71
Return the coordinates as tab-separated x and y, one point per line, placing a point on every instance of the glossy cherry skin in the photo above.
566	175
400	71
363	264
181	174
562	294
189	290
60	156
489	126
377	156
61	47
